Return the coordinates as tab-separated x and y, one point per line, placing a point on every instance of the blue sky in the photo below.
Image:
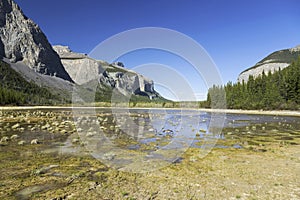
235	33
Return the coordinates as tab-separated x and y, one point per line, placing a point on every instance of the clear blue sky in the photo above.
236	33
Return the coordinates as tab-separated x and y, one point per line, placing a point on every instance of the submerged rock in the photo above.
44	170
22	142
4	139
13	137
16	126
34	141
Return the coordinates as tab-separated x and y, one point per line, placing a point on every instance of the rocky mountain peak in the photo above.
84	69
65	52
273	62
22	40
295	49
60	49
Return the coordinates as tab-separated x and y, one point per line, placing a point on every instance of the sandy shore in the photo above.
232	111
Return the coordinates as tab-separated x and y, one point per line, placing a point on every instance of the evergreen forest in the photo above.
277	91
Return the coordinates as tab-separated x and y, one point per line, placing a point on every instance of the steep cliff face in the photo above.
265	67
22	40
81	68
273	62
84	69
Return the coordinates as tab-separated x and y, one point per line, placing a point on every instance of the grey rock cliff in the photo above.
81	68
84	69
265	67
22	40
273	62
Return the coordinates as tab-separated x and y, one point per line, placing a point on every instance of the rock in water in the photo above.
22	40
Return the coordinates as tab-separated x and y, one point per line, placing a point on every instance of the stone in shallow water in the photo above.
22	142
4	139
75	141
90	134
16	126
34	141
13	137
109	156
44	170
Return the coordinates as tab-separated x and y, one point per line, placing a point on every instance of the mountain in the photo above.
15	89
84	69
22	40
276	89
273	62
26	54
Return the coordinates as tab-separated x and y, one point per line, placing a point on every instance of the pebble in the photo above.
90	134
63	131
13	137
22	142
4	139
75	140
34	141
15	126
109	156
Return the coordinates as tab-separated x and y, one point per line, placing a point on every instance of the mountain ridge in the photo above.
26	50
23	40
84	69
273	62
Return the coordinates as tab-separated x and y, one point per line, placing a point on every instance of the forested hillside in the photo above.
280	90
15	90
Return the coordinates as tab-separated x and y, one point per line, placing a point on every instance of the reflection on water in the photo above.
48	142
140	135
122	136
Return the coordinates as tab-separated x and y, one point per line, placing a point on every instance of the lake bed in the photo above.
53	153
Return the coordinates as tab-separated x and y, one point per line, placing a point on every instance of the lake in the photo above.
129	140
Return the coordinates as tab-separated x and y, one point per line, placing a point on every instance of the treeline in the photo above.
280	90
15	90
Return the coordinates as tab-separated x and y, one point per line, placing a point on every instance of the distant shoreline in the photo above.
230	111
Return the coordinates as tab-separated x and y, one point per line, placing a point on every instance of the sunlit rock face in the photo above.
273	62
84	69
22	40
255	72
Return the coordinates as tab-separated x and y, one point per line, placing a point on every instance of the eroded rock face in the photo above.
255	72
81	68
84	69
22	40
273	62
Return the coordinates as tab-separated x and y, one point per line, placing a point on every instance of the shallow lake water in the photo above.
130	140
141	129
